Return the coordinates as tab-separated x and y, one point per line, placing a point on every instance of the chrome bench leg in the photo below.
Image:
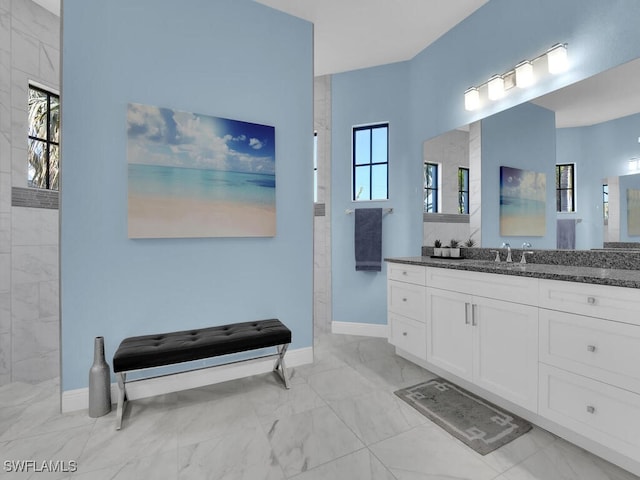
280	367
122	398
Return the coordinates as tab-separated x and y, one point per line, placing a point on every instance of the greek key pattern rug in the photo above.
471	419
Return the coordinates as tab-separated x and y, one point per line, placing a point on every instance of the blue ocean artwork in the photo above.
193	175
522	202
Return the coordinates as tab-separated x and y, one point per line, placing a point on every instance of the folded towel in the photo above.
368	239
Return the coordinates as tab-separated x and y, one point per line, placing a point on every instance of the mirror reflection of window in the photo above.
605	203
463	190
565	188
431	181
315	167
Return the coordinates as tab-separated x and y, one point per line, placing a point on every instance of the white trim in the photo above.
364	329
42	86
73	400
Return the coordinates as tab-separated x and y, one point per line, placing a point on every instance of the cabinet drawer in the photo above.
591	408
408	335
601	349
509	288
603	301
406	299
406	273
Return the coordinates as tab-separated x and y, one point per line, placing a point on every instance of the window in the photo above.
463	190
44	138
565	188
431	181
605	202
371	162
315	167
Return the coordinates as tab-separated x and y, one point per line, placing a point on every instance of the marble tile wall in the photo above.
29	314
322	224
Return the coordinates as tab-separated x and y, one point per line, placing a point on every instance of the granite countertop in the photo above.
599	276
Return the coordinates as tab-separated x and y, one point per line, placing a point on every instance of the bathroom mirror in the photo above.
597	129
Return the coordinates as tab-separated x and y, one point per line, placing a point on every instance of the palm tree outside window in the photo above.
431	182
43	169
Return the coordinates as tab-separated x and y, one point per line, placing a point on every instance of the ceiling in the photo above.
354	34
611	94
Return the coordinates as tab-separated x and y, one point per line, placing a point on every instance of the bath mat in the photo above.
479	424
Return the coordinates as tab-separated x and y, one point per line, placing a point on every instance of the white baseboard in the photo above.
364	329
73	400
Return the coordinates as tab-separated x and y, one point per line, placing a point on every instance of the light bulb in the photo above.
557	58
471	99
496	87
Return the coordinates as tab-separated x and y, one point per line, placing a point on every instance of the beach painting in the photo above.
194	175
522	202
633	212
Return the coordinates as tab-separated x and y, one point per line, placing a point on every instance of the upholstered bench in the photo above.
148	351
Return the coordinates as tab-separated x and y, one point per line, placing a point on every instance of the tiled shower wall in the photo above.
29	313
322	218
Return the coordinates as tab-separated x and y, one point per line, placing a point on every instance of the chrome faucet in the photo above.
525	245
508	247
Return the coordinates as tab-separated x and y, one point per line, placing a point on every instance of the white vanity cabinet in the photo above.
405	305
590	361
490	342
567	354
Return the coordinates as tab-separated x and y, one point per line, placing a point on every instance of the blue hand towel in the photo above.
368	239
566	234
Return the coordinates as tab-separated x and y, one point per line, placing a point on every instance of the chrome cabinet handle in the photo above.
591	409
404	299
466	313
591	348
474	320
404	272
591	300
404	334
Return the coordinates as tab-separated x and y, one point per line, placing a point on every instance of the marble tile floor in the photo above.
340	420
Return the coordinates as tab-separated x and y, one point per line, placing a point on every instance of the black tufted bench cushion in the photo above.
147	351
168	348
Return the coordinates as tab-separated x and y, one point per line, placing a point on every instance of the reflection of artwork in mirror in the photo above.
633	212
522	202
193	175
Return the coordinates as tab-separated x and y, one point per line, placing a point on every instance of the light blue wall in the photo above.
599	151
522	137
229	58
358	98
600	35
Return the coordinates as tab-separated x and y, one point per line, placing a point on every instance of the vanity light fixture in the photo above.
495	87
471	99
557	58
522	76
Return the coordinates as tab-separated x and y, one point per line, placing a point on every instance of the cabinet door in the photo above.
449	331
506	350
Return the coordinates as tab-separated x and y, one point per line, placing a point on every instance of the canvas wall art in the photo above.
522	202
194	175
633	212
